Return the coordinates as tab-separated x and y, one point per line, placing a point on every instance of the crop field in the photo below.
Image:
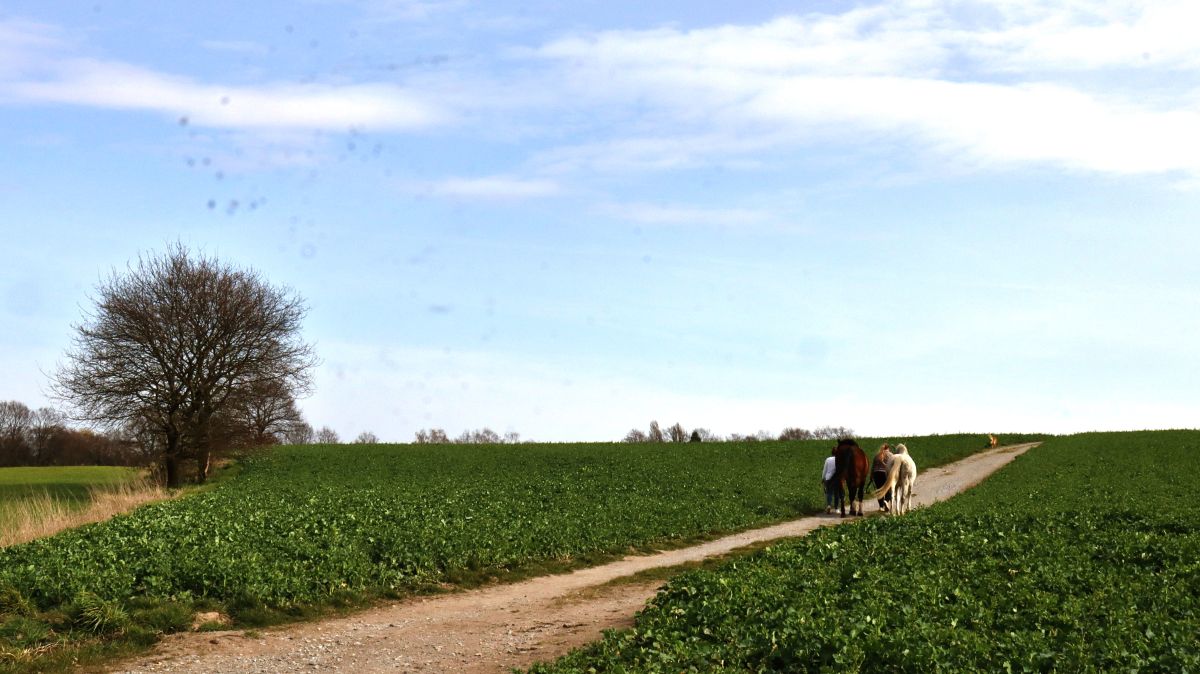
306	526
1082	555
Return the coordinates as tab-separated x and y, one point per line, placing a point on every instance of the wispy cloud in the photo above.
971	82
487	188
22	42
235	46
407	10
677	214
115	85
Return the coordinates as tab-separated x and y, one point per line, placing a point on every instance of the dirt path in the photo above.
496	628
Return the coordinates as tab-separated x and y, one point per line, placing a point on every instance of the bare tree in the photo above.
677	434
635	435
792	433
655	434
366	438
172	340
15	420
512	437
299	432
327	436
832	433
267	411
485	436
706	435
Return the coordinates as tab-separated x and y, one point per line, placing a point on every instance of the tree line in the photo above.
44	437
480	436
677	433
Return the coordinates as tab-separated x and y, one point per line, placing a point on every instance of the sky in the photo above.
569	219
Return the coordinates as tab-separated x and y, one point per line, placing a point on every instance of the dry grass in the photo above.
41	515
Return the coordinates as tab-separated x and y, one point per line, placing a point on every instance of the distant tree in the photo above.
676	433
15	421
706	435
796	434
172	341
485	436
512	437
327	436
832	433
266	410
44	425
299	432
696	436
366	438
635	435
433	436
655	434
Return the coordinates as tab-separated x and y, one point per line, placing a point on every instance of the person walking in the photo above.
880	465
828	472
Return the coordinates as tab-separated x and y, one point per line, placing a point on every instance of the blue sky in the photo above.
568	219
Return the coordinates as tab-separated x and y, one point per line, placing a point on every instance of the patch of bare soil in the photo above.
496	628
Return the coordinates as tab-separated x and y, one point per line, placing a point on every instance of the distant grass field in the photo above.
315	525
72	484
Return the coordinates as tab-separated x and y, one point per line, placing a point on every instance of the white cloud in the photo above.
408	10
115	85
487	188
21	42
977	83
236	46
676	214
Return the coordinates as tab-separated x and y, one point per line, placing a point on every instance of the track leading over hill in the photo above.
496	628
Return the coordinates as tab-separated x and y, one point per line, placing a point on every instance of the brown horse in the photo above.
851	471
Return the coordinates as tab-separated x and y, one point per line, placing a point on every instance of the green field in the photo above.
63	482
1083	555
70	484
305	526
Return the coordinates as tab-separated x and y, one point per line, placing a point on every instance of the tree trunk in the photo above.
203	448
171	464
171	461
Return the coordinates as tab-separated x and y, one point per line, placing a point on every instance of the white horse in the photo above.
901	479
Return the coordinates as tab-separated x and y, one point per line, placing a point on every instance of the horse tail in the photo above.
892	478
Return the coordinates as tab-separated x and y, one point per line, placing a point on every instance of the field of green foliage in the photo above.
304	526
1082	555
